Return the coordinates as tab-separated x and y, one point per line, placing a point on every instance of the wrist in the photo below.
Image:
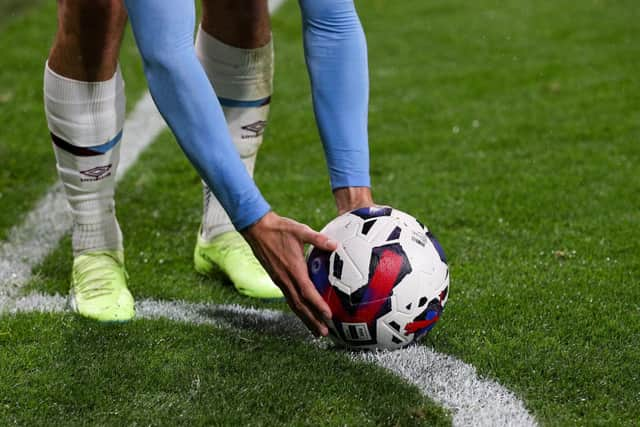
350	198
255	228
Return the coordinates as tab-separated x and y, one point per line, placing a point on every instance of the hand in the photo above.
279	245
350	198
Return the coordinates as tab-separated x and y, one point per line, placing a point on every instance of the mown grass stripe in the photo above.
12	9
30	242
41	231
45	233
474	401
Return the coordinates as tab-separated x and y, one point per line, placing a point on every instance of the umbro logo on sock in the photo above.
96	174
257	128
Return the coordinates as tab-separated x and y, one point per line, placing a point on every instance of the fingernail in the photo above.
332	242
326	316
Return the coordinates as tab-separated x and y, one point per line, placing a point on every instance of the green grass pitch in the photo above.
511	128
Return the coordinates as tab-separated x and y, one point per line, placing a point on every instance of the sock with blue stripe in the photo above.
86	120
243	81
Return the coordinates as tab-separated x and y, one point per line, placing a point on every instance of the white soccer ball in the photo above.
386	284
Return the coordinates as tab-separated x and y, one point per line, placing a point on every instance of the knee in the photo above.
101	9
92	16
93	26
88	38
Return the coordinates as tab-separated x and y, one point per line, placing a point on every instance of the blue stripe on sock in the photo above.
86	151
108	145
226	102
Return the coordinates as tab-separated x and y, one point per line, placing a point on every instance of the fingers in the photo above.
279	243
309	293
319	240
307	302
310	319
303	298
310	298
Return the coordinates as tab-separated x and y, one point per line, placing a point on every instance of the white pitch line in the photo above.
473	401
218	315
30	242
275	5
448	381
455	385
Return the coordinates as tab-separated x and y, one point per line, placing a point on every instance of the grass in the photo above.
28	167
163	373
156	370
509	128
15	9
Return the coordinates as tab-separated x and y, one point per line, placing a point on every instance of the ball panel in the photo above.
355	255
343	227
386	284
372	212
426	320
437	246
318	267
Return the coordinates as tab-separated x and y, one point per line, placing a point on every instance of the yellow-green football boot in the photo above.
233	255
99	287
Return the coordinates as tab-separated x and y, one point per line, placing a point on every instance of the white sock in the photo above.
243	80
85	120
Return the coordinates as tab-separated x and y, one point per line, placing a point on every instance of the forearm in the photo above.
336	55
185	98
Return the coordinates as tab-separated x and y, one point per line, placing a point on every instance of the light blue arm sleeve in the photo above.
164	30
336	55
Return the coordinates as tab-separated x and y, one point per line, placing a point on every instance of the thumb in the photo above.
318	240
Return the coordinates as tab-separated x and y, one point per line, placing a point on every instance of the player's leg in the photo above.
85	108
234	46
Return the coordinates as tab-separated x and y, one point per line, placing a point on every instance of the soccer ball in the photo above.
387	282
